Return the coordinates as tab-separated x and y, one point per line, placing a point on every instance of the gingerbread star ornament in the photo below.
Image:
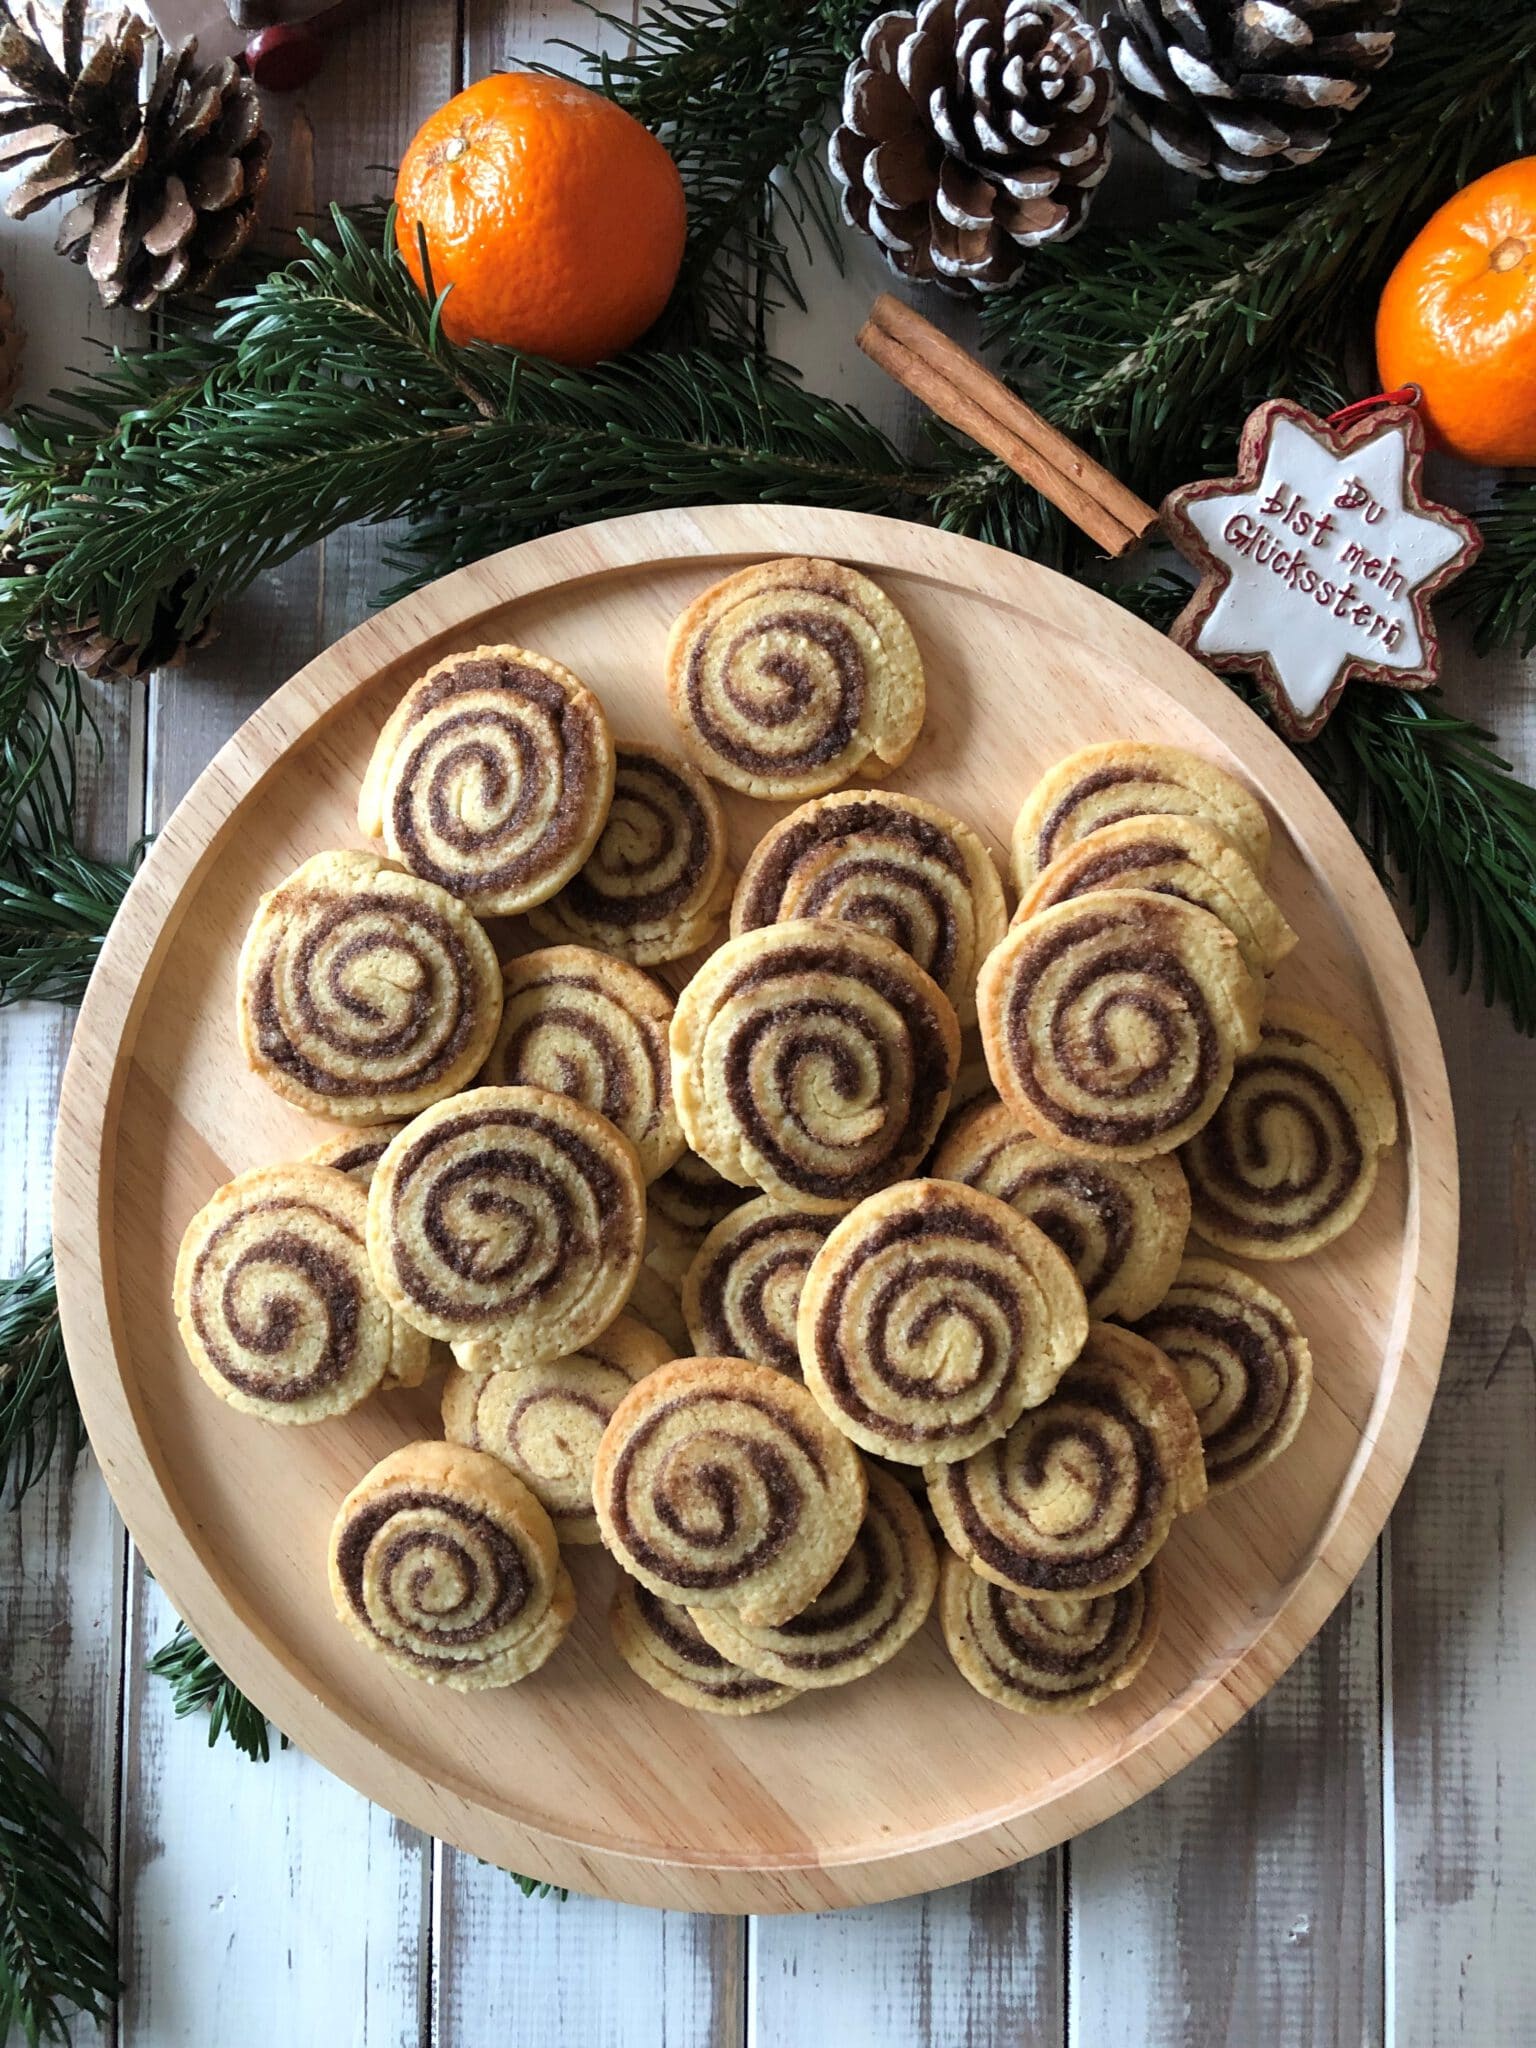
1318	560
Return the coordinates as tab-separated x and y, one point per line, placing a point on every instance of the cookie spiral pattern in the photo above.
720	1483
931	1317
660	1642
1081	1493
508	1222
876	1602
544	1422
1102	785
656	884
276	1302
893	864
1290	1158
1111	1022
1183	857
789	678
685	1203
741	1295
357	1153
444	1564
492	778
1053	1656
1122	1222
595	1030
365	994
813	1060
1244	1364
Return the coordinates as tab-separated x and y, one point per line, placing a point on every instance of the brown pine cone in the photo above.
168	179
971	131
1235	89
106	658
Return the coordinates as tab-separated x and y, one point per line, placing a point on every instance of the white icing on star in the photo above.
1323	557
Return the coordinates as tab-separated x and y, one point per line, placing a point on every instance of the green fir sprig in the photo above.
1498	593
58	1952
39	1416
198	1685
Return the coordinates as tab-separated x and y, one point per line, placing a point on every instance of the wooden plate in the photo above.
908	1780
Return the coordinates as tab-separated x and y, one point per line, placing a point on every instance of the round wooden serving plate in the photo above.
581	1775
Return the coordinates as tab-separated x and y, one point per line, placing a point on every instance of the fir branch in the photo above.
198	1685
535	1888
1434	804
1497	595
56	905
57	1948
39	1416
1153	345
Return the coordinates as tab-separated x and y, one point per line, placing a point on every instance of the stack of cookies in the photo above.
776	1286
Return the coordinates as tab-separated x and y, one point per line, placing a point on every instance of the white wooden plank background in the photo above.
1355	1864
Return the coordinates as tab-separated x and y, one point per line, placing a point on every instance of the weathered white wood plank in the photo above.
980	1964
1242	1902
61	1550
272	1901
1462	1545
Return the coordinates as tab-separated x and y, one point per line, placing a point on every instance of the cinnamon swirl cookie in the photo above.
661	1643
791	677
595	1030
364	994
1083	1490
813	1060
492	778
444	1563
544	1421
507	1222
1111	1022
932	1317
1052	1656
656	884
357	1152
1289	1160
741	1294
1183	857
877	1601
893	864
1126	779
684	1204
720	1483
1245	1366
1122	1222
276	1303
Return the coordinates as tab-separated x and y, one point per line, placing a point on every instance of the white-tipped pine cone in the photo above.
971	131
1235	89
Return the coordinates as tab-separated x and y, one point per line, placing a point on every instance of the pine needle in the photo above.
57	1947
198	1686
39	1416
56	905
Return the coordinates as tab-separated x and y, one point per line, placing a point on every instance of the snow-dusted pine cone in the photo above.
1236	89
971	131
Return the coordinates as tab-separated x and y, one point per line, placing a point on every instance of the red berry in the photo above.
284	59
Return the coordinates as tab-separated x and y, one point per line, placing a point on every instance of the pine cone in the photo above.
971	131
105	658
1235	89
168	177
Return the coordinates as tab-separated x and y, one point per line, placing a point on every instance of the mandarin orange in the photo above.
557	219
1458	318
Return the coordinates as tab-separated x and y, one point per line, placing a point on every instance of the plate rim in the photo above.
107	1031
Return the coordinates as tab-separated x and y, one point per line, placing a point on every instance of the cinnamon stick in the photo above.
951	383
